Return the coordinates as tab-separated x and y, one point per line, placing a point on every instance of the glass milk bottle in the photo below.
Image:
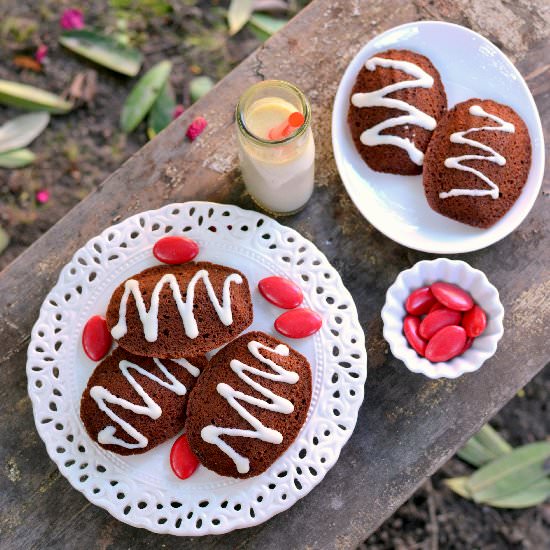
276	148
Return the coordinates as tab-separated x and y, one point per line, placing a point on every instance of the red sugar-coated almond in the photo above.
281	292
175	250
410	328
446	344
96	338
182	460
419	301
474	321
435	321
436	306
452	296
298	323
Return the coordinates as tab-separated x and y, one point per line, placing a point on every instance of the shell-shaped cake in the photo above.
132	404
171	311
395	104
477	162
248	405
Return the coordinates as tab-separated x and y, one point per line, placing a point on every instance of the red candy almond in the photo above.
446	344
410	328
298	323
182	460
419	301
281	292
435	307
435	321
474	321
452	296
175	250
96	338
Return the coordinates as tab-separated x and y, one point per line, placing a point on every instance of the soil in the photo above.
79	150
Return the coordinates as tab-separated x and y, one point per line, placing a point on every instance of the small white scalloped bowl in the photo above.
472	280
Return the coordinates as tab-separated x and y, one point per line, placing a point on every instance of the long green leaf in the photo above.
103	50
31	98
510	473
476	454
143	95
267	24
238	15
492	441
22	130
459	486
4	240
531	496
161	112
17	159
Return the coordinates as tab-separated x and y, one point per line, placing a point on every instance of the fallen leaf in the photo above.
200	86
143	95
22	130
4	240
238	15
27	62
17	159
269	5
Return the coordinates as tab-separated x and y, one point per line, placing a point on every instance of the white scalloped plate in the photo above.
141	490
470	66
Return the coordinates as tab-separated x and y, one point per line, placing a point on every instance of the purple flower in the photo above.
42	196
41	53
178	110
72	19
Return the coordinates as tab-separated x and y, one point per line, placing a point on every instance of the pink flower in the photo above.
42	196
41	53
178	110
195	128
72	19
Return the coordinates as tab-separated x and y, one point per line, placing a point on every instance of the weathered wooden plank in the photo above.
408	425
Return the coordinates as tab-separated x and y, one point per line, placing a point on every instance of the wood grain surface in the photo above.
409	425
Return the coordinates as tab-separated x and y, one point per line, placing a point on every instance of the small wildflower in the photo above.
195	128
178	110
72	19
41	53
42	196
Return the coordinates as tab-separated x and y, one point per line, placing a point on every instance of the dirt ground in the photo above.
79	150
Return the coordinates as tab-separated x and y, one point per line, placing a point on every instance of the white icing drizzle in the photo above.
456	162
149	319
274	402
103	397
414	116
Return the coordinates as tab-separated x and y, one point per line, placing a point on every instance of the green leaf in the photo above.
238	15
535	494
511	473
31	98
104	50
492	441
22	130
143	95
17	159
200	86
267	24
4	240
459	486
476	454
161	112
